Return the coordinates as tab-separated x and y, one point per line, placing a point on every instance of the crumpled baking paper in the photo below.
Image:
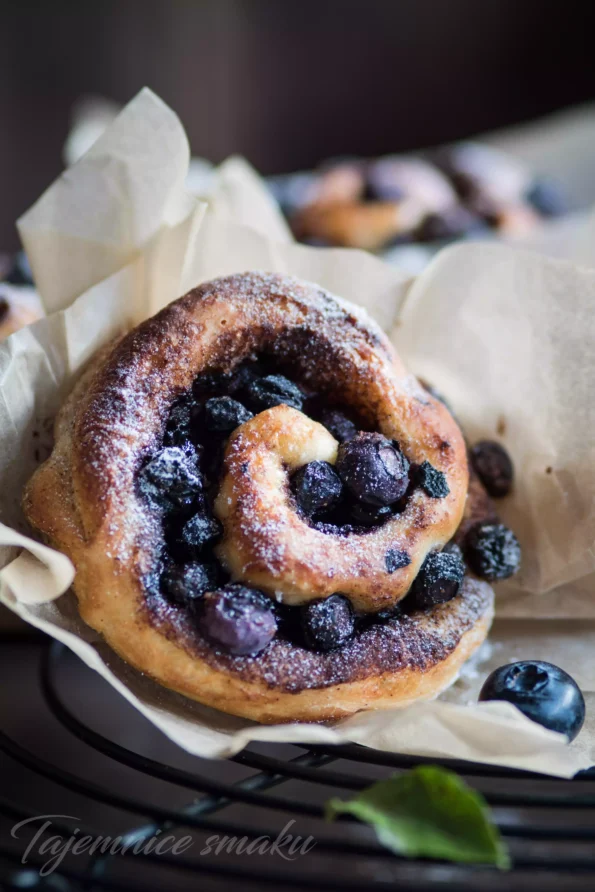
504	334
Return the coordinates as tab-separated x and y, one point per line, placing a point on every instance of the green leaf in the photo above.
428	812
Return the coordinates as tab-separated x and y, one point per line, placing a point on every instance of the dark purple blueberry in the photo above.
185	583
198	531
395	559
453	223
493	467
381	184
339	425
547	199
492	551
170	479
179	424
4	307
238	620
316	487
369	515
387	614
273	390
439	579
453	548
330	528
223	414
211	384
244	375
327	623
432	481
20	273
374	469
543	692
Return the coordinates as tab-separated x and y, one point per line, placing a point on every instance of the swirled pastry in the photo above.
263	507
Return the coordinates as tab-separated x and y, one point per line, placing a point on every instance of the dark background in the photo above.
284	82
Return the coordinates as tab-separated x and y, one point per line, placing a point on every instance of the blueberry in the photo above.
4	308
211	384
388	614
340	426
493	467
264	393
373	468
198	531
453	548
244	375
237	619
433	482
543	692
437	395
184	583
492	551
170	479
450	224
316	487
20	273
439	579
546	199
395	559
224	414
369	515
327	623
179	424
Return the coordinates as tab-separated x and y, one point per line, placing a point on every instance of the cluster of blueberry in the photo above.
370	481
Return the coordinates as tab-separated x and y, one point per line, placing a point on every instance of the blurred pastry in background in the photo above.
462	191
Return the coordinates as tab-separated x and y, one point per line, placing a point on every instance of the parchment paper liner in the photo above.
504	334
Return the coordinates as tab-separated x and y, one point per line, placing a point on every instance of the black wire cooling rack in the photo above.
74	750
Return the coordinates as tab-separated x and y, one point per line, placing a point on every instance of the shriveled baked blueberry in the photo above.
238	619
170	479
339	425
432	481
211	384
493	466
395	559
453	548
179	424
264	393
185	583
439	579
198	531
543	692
373	468
327	623
395	611
316	487
223	414
369	515
4	307
244	375
492	551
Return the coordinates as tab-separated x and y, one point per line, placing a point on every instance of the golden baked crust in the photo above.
84	501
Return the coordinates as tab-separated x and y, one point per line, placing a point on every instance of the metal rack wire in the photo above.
549	824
